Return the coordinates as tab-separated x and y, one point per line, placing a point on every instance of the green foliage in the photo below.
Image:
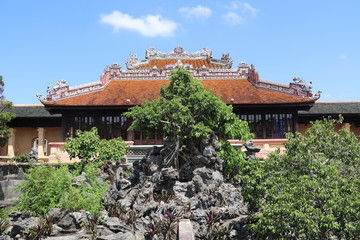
24	158
4	224
87	196
47	187
233	159
43	188
311	192
187	113
5	116
88	146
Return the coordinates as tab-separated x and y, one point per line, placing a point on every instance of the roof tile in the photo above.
135	92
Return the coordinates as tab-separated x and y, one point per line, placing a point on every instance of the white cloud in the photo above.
247	7
239	12
232	18
244	7
148	26
199	12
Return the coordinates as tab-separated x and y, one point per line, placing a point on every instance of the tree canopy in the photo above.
5	115
311	191
186	113
89	147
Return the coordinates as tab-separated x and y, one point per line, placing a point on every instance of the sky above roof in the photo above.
45	41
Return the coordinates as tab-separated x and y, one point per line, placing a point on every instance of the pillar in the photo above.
347	126
11	143
41	137
130	136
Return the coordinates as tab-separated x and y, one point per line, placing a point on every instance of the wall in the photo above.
353	128
24	137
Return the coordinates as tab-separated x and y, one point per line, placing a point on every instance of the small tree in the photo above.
187	114
89	147
311	192
5	116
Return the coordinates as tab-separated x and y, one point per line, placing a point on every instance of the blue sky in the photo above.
44	41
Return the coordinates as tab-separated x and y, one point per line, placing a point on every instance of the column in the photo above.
347	126
41	137
11	143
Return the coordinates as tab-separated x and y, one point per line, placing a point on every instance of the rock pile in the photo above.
146	201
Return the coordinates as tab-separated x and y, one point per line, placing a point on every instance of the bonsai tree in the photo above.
188	115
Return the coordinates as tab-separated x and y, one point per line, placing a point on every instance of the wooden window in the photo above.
108	126
268	125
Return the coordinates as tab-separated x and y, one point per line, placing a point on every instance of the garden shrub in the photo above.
48	187
43	188
311	191
90	148
24	158
232	160
87	196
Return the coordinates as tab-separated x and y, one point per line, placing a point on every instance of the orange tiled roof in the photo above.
117	93
196	63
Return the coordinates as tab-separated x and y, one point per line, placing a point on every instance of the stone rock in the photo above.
70	237
56	214
55	230
115	225
186	172
149	208
208	151
103	231
218	178
199	215
22	224
66	222
117	236
79	181
5	237
18	215
123	184
169	174
79	217
205	173
198	184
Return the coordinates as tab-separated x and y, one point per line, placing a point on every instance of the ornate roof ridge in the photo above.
60	90
180	54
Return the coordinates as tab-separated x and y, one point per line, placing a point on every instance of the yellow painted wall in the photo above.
53	134
24	137
3	150
353	128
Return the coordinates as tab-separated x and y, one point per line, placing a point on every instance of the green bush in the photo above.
47	187
311	191
232	160
87	196
43	188
90	148
24	158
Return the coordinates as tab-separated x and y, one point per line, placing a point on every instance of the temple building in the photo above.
271	109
